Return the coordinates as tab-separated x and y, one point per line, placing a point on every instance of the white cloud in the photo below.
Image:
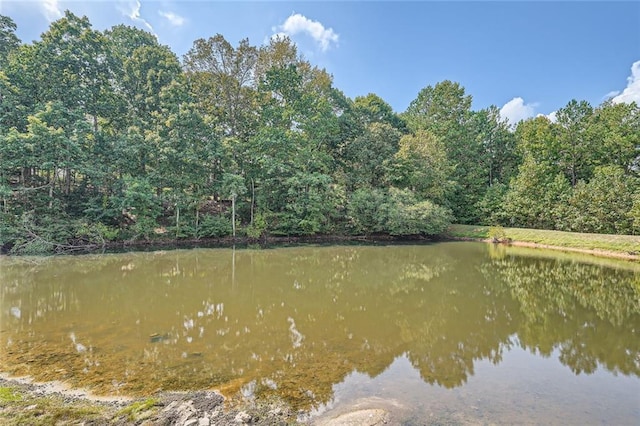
553	116
173	18
610	95
131	9
297	24
632	92
51	10
516	110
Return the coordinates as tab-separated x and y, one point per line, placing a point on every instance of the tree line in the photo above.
110	136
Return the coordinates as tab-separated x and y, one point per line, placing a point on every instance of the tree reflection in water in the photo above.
293	322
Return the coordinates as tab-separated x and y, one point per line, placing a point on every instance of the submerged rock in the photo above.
369	417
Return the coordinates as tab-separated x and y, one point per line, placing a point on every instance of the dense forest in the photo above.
109	136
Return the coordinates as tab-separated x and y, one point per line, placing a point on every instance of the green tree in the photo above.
421	164
224	79
445	111
368	157
498	145
396	212
9	42
534	196
373	109
576	147
71	66
537	138
140	205
233	186
615	130
603	205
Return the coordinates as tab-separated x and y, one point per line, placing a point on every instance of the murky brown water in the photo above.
449	332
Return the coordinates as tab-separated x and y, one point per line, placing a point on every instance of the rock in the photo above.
242	417
204	421
185	412
191	422
370	417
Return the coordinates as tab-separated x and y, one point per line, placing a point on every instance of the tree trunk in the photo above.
177	221
233	215
197	222
253	197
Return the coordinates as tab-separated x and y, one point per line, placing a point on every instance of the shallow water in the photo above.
444	333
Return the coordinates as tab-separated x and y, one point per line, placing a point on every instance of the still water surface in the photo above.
449	332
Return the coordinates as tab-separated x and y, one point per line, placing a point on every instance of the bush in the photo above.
408	217
215	227
497	234
364	210
256	229
396	212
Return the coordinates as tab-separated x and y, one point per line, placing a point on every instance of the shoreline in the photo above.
594	252
25	401
624	247
228	242
611	254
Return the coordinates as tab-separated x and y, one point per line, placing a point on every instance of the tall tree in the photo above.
445	111
537	138
373	109
224	78
602	205
497	143
368	157
615	130
71	65
534	196
576	150
8	39
421	164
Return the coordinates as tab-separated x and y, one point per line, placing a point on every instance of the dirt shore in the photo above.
23	402
595	252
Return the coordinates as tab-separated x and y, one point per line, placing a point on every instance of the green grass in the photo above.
629	244
18	407
9	395
139	410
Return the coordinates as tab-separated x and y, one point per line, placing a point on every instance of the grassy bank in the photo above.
20	406
26	403
596	243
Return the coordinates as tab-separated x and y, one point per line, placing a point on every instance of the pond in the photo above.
451	332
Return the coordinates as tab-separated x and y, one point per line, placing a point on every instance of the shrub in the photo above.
497	234
215	227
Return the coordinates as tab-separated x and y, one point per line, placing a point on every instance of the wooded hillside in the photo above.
110	136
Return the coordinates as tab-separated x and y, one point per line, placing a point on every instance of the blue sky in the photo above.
527	58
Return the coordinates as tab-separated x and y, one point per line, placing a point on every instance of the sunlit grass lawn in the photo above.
619	243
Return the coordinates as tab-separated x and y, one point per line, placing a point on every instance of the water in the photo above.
443	333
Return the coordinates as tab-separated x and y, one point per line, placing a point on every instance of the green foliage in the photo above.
258	227
421	164
9	395
491	207
214	227
370	153
604	205
407	216
497	234
534	196
105	136
139	410
8	39
365	210
396	212
634	214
